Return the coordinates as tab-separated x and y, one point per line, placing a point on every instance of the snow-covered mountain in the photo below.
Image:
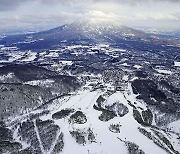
87	31
90	87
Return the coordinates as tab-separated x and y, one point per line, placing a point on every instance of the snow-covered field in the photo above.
177	64
106	141
164	71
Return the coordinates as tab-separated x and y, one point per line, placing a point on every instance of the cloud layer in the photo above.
52	13
6	5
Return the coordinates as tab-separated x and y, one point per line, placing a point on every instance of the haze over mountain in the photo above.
85	31
35	14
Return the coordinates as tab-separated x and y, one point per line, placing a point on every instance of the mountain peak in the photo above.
99	22
92	23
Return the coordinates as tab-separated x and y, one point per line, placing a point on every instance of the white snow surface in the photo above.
164	71
9	75
43	82
177	64
174	126
66	62
30	56
107	142
137	66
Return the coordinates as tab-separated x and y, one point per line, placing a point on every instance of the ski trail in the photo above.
93	100
17	139
38	137
84	95
86	100
57	106
54	143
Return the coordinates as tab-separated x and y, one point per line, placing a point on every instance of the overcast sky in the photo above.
53	13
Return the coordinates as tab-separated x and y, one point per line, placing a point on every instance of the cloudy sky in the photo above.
163	14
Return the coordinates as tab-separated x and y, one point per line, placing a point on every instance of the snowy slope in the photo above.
105	140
